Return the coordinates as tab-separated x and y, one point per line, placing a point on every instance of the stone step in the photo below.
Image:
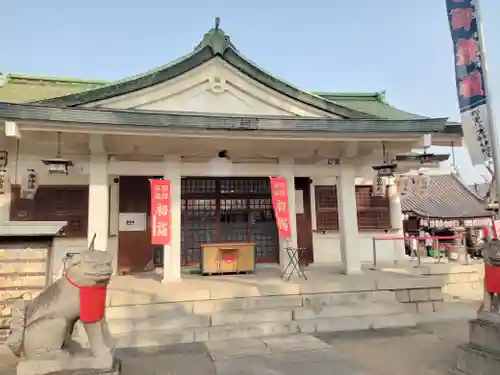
177	317
329	299
150	311
249	303
349	309
236	317
125	326
159	338
476	361
485	334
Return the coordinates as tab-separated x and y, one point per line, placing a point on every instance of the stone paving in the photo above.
427	349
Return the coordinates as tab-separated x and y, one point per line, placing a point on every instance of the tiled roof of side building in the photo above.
447	197
374	103
20	88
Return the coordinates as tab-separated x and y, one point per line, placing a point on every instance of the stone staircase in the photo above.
216	319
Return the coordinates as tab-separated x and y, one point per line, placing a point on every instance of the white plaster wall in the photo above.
327	247
34	161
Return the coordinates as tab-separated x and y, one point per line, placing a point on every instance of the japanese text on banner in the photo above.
160	212
279	193
469	77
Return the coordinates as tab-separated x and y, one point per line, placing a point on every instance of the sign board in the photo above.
161	215
132	222
279	194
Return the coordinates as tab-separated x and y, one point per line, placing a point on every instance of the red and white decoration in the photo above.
161	214
279	193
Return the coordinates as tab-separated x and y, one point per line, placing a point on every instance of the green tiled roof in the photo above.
372	103
18	88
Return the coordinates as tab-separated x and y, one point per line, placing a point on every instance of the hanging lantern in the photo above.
385	170
422	183
4	181
58	165
378	187
403	184
29	184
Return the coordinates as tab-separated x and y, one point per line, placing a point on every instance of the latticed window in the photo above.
327	216
54	203
227	210
373	212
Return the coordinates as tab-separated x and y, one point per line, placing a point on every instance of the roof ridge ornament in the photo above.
216	39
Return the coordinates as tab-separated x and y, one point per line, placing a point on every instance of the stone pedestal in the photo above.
481	356
75	365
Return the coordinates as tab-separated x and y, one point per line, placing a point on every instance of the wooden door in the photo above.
134	247
303	208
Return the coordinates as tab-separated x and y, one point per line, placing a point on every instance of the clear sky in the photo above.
402	46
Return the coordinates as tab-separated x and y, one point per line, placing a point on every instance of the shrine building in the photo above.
217	126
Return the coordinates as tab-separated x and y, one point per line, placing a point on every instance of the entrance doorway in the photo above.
212	210
303	214
227	210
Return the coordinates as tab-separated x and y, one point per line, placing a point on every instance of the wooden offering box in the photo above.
227	257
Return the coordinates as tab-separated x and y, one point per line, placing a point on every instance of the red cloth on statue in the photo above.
92	301
492	279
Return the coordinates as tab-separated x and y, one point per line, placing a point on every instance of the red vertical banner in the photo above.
161	215
279	194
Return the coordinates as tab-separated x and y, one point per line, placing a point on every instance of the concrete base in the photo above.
84	365
482	355
477	361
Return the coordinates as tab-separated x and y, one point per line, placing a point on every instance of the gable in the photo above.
212	87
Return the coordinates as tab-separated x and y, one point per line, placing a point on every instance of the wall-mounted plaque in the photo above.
132	222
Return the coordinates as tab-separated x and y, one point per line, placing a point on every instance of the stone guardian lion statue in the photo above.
42	328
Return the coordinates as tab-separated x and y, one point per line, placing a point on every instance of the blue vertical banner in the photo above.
469	77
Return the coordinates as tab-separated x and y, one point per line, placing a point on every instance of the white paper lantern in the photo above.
403	184
29	184
378	187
